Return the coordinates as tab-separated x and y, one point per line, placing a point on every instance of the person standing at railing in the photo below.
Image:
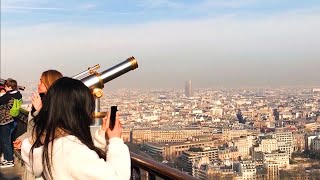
7	121
61	146
2	92
47	78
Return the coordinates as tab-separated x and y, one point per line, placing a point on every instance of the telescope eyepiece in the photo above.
134	62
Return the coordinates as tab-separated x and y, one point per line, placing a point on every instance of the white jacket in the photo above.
73	160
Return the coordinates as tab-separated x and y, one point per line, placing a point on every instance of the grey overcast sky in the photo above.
217	43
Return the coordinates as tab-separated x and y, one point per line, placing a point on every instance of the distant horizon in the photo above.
221	43
182	88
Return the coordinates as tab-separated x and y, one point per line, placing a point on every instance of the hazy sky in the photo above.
232	43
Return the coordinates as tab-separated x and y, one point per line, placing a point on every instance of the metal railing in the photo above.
144	168
141	167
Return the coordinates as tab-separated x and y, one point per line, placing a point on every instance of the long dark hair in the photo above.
68	108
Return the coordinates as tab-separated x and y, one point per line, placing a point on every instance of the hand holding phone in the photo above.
113	113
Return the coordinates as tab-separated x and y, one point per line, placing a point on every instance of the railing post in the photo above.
135	173
98	121
151	176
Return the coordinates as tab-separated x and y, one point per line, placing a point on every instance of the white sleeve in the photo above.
85	163
99	139
37	154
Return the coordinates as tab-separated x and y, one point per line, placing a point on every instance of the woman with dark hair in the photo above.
61	146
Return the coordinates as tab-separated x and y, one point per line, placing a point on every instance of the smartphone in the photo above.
114	110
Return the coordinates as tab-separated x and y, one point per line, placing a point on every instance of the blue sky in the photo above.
231	43
18	12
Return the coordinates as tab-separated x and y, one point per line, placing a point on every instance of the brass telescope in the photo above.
97	80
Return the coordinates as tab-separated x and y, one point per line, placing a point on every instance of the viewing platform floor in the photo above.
12	173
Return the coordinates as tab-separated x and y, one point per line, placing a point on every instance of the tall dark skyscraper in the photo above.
188	88
240	117
276	114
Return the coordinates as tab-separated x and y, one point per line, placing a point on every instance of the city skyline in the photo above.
213	43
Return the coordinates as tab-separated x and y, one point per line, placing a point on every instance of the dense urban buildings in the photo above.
225	133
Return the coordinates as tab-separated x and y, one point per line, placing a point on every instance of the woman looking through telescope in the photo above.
63	127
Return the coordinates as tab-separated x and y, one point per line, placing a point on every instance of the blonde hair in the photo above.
49	77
